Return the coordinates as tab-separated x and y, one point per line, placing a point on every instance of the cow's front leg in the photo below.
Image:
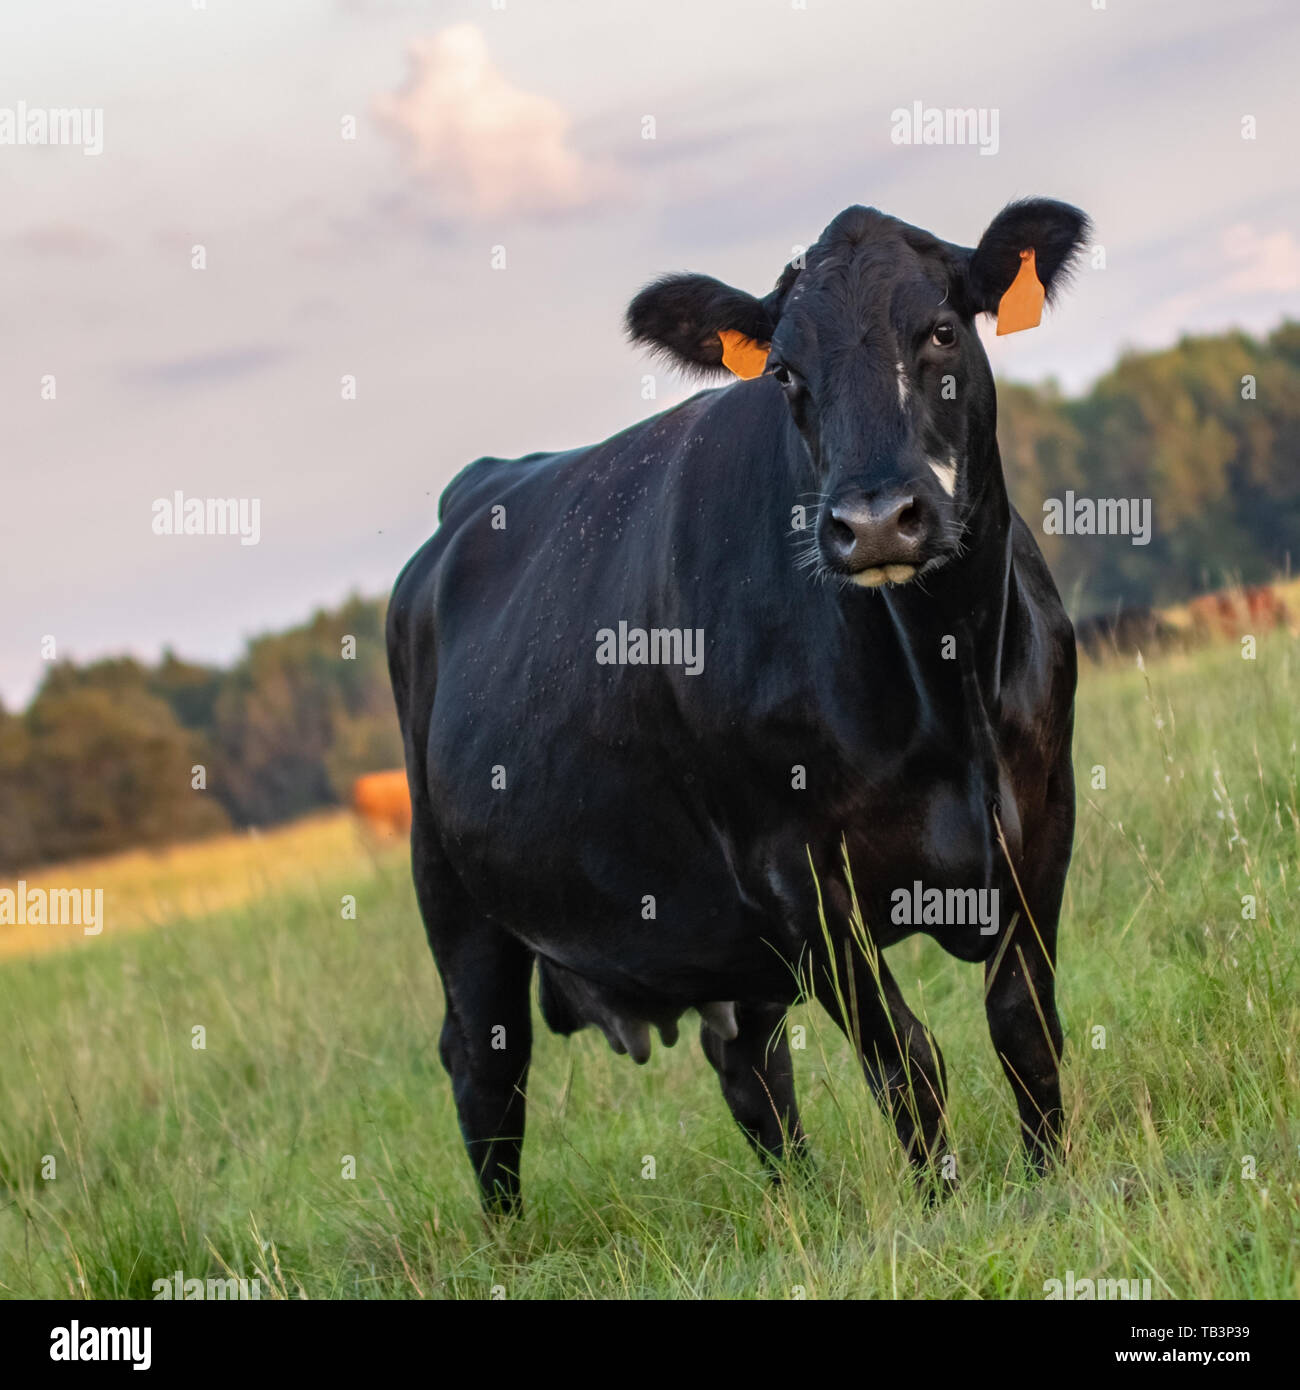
1020	984
757	1079
1020	1000
902	1061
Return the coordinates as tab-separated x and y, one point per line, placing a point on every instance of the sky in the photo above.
449	205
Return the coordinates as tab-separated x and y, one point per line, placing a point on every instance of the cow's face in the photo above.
871	340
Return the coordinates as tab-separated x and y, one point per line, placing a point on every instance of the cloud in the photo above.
481	144
204	369
65	239
1267	263
1242	277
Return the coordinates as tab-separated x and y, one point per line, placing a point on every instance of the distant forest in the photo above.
103	757
1209	430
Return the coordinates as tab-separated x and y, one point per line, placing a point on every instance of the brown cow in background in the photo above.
1232	613
382	800
1225	615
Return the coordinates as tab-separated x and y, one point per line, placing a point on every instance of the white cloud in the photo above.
1265	263
483	145
66	239
1241	278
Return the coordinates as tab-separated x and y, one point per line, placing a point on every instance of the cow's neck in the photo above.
953	625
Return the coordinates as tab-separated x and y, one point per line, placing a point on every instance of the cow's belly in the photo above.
615	875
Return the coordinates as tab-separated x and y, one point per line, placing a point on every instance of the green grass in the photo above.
321	1042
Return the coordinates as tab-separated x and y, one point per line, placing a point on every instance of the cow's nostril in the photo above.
910	522
842	534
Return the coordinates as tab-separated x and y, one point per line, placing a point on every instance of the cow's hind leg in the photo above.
757	1080
902	1062
487	1032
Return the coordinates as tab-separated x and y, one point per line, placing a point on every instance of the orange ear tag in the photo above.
1022	305
742	355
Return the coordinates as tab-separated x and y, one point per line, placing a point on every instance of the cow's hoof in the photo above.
502	1207
796	1167
934	1182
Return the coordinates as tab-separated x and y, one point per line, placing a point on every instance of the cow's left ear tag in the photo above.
742	355
1022	305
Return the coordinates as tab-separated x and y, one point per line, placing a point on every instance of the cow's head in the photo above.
870	337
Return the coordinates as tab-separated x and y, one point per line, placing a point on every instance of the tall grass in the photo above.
321	1043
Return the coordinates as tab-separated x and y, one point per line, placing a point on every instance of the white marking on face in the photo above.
904	388
946	473
883	574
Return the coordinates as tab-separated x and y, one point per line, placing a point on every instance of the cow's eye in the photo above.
944	335
782	373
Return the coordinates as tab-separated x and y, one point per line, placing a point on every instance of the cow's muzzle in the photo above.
883	539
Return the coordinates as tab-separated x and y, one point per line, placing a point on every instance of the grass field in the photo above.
321	1043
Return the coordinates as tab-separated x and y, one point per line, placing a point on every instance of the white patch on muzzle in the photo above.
946	474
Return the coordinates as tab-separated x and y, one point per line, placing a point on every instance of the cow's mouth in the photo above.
876	575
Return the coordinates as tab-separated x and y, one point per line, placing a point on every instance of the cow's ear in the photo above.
1028	245
702	325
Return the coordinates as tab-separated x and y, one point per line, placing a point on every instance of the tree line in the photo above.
118	753
1207	430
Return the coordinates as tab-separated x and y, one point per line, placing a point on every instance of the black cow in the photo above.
701	717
